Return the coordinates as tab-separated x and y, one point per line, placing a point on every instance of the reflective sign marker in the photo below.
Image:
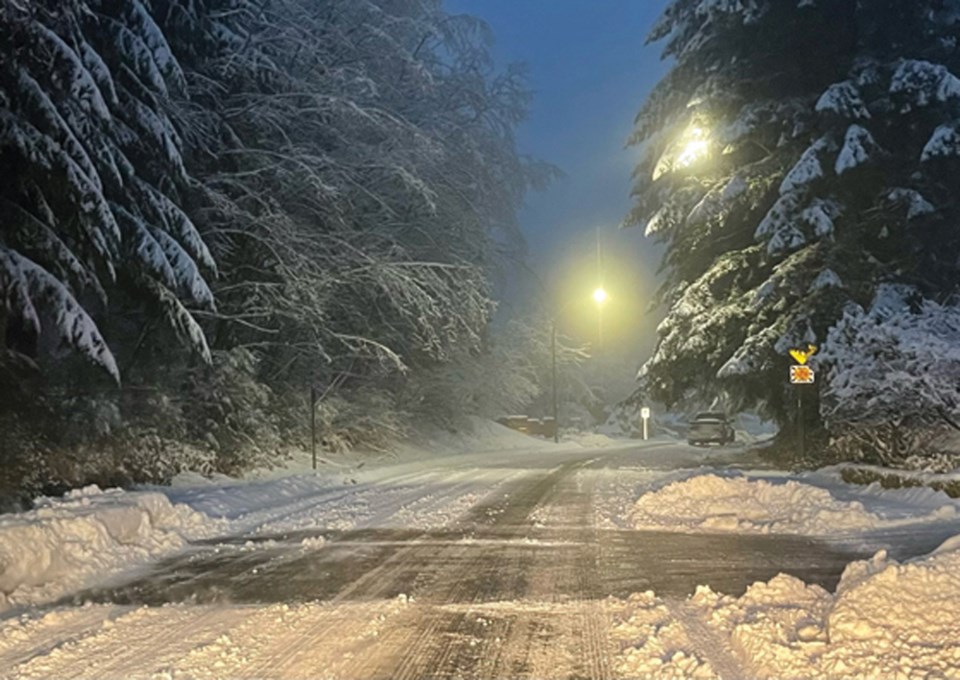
801	375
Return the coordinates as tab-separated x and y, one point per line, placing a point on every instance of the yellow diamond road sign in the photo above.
801	375
801	356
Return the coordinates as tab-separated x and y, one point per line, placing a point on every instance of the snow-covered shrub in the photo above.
230	411
364	418
892	375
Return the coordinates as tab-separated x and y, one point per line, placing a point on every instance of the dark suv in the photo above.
710	428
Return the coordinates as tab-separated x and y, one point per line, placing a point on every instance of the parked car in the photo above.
519	423
710	428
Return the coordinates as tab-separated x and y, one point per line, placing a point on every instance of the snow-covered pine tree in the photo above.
798	155
92	167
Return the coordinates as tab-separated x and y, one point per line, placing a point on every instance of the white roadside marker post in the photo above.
645	416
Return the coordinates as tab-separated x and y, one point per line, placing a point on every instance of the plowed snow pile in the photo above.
887	620
712	503
60	544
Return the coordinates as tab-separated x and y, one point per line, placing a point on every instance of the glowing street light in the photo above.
696	148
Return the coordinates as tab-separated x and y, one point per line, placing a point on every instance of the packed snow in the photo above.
63	543
887	619
715	503
90	534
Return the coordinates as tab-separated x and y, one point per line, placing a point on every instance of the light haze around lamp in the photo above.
696	148
599	296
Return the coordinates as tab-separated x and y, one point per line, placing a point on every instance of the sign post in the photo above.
645	416
800	375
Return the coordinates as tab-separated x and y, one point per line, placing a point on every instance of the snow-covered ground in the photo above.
91	535
63	544
812	506
885	619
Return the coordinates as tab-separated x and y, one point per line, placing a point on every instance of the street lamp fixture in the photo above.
696	148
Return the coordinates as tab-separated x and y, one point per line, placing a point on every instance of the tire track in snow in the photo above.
710	644
439	640
41	636
146	639
295	652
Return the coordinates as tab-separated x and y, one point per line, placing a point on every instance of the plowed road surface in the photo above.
511	566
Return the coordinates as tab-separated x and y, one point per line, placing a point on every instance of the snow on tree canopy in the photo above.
89	124
717	201
922	83
29	286
820	215
799	334
844	100
892	298
945	143
917	205
750	357
826	279
893	364
808	168
857	148
735	188
779	226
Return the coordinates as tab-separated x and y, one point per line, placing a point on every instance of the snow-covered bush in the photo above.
232	413
892	376
366	418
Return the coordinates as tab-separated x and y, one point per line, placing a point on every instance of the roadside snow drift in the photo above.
712	503
60	544
887	620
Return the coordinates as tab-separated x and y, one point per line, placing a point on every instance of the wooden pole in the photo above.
800	423
313	425
553	352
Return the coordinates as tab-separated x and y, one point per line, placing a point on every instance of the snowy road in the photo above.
495	566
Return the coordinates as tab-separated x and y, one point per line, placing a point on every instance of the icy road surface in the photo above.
512	566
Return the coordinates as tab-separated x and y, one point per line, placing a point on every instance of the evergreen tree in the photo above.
307	192
93	170
798	155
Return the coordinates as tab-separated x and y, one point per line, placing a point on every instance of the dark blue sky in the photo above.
591	72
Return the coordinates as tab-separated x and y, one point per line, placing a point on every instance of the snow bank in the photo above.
887	619
712	503
654	643
59	545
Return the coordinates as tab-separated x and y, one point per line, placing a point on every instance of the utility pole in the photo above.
313	425
553	352
600	281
